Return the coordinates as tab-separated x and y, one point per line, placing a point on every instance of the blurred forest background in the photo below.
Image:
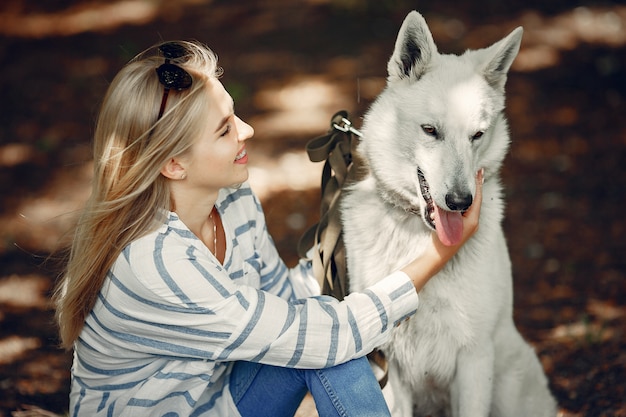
290	64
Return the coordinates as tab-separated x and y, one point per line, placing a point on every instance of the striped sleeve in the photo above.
167	296
190	309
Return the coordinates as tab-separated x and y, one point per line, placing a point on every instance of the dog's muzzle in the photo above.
448	222
430	205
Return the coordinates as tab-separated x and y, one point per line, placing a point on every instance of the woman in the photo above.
175	299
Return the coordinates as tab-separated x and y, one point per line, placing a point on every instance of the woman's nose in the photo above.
244	130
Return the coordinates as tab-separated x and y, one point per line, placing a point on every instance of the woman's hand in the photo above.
437	254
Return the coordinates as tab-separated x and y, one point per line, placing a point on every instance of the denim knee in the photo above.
349	389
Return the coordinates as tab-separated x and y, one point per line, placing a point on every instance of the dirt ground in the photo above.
289	66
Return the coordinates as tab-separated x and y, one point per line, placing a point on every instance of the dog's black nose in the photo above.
458	201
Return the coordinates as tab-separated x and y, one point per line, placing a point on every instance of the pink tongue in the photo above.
449	226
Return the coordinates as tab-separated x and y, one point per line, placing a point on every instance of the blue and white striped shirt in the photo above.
170	319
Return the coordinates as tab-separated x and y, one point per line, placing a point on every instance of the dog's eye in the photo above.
430	130
477	135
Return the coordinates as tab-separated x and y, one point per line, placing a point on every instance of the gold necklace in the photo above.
214	230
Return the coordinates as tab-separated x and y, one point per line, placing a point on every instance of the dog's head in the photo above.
438	121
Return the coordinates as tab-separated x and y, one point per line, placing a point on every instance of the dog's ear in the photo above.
500	57
413	50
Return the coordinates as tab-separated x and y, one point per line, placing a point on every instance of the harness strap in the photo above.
336	148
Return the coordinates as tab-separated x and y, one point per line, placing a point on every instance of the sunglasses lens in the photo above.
174	77
171	75
173	50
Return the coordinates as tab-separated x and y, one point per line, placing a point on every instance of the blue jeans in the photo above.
349	389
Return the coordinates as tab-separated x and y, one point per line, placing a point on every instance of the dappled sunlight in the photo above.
290	67
88	17
14	347
13	154
45	375
301	106
546	37
582	330
34	411
605	310
289	171
24	291
78	19
42	221
594	326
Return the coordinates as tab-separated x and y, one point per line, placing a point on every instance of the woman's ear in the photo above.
174	170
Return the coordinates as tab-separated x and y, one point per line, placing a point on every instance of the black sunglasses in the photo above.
171	75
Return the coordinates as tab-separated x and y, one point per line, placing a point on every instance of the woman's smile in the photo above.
242	156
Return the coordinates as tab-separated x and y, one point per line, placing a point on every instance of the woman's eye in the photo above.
226	131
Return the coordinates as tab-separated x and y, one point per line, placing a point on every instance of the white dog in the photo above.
438	121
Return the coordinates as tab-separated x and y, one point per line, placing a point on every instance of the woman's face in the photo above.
218	157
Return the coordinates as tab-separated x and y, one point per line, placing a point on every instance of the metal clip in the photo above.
347	127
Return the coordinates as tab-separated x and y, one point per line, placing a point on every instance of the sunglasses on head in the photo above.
171	75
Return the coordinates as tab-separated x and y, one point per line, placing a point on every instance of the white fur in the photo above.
461	354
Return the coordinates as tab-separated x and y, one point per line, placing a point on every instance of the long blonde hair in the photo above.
129	195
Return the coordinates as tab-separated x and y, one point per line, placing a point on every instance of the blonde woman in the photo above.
175	299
